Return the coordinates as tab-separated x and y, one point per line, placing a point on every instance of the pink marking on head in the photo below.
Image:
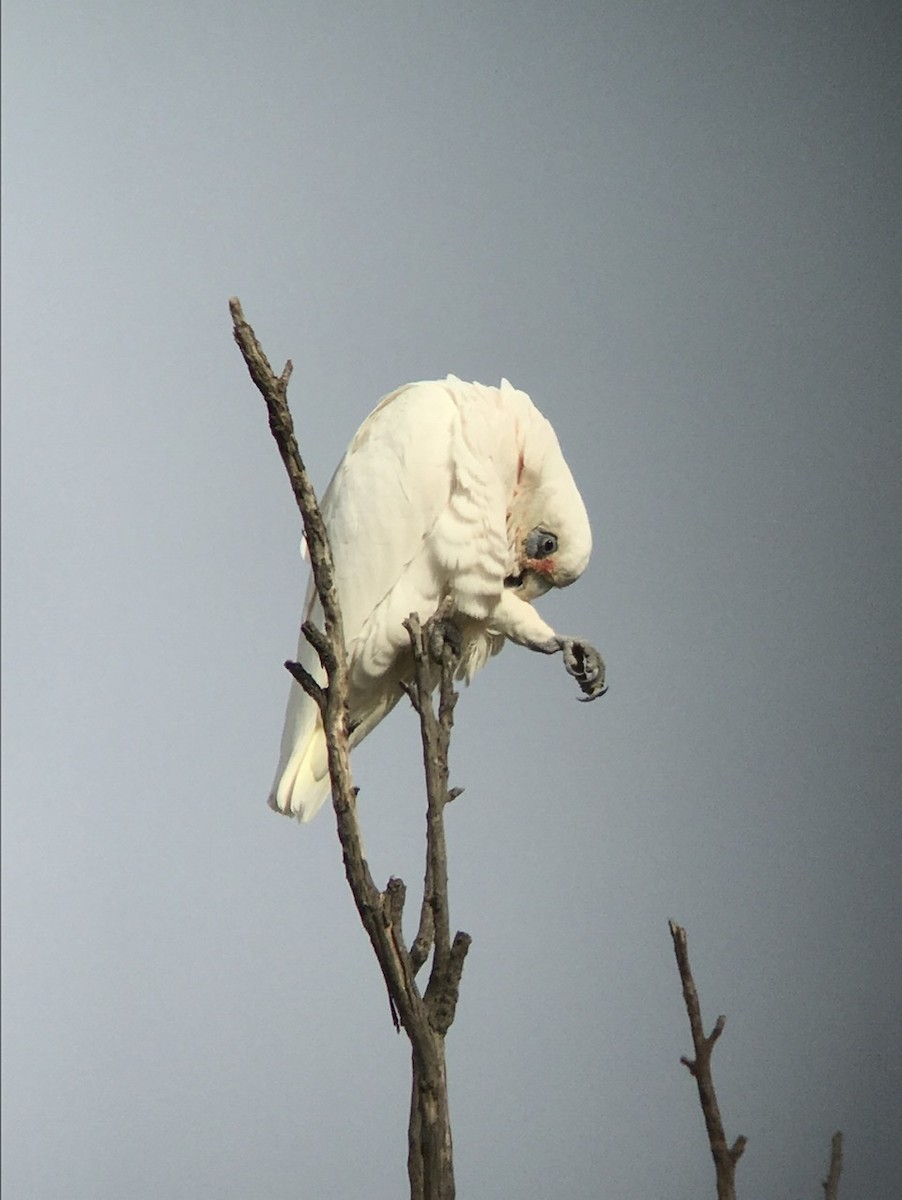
541	566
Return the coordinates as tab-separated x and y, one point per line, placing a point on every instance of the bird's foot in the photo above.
441	632
586	665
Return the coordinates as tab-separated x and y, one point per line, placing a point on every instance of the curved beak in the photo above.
529	584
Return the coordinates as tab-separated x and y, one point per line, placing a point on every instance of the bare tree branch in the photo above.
834	1170
274	390
429	1135
435	732
725	1157
425	1018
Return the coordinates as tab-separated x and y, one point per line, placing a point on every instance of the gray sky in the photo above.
677	227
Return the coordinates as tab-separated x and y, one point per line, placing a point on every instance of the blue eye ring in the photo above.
540	543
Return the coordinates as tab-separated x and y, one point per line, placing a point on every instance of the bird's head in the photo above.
549	532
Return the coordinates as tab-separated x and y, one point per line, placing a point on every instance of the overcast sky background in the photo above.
677	226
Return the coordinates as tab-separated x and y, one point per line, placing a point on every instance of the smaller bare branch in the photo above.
257	363
320	644
428	647
834	1170
422	943
274	390
443	990
737	1148
393	909
725	1157
308	683
393	901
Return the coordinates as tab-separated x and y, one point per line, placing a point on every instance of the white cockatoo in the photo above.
454	496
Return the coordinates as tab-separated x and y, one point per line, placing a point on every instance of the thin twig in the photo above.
725	1157
834	1170
274	390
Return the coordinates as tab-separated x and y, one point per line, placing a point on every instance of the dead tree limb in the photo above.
427	1101
725	1157
834	1169
425	1017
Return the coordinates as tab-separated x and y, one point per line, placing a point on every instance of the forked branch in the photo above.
725	1157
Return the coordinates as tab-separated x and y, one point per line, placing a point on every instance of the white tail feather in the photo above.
302	782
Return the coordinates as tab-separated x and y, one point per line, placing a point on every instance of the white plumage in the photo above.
449	490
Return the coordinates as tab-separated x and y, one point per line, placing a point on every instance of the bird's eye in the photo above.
540	543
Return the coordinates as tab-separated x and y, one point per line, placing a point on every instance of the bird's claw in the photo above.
442	632
586	665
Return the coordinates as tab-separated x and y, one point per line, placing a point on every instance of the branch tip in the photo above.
834	1169
308	683
717	1030
738	1146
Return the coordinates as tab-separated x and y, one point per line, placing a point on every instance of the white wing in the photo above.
400	511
